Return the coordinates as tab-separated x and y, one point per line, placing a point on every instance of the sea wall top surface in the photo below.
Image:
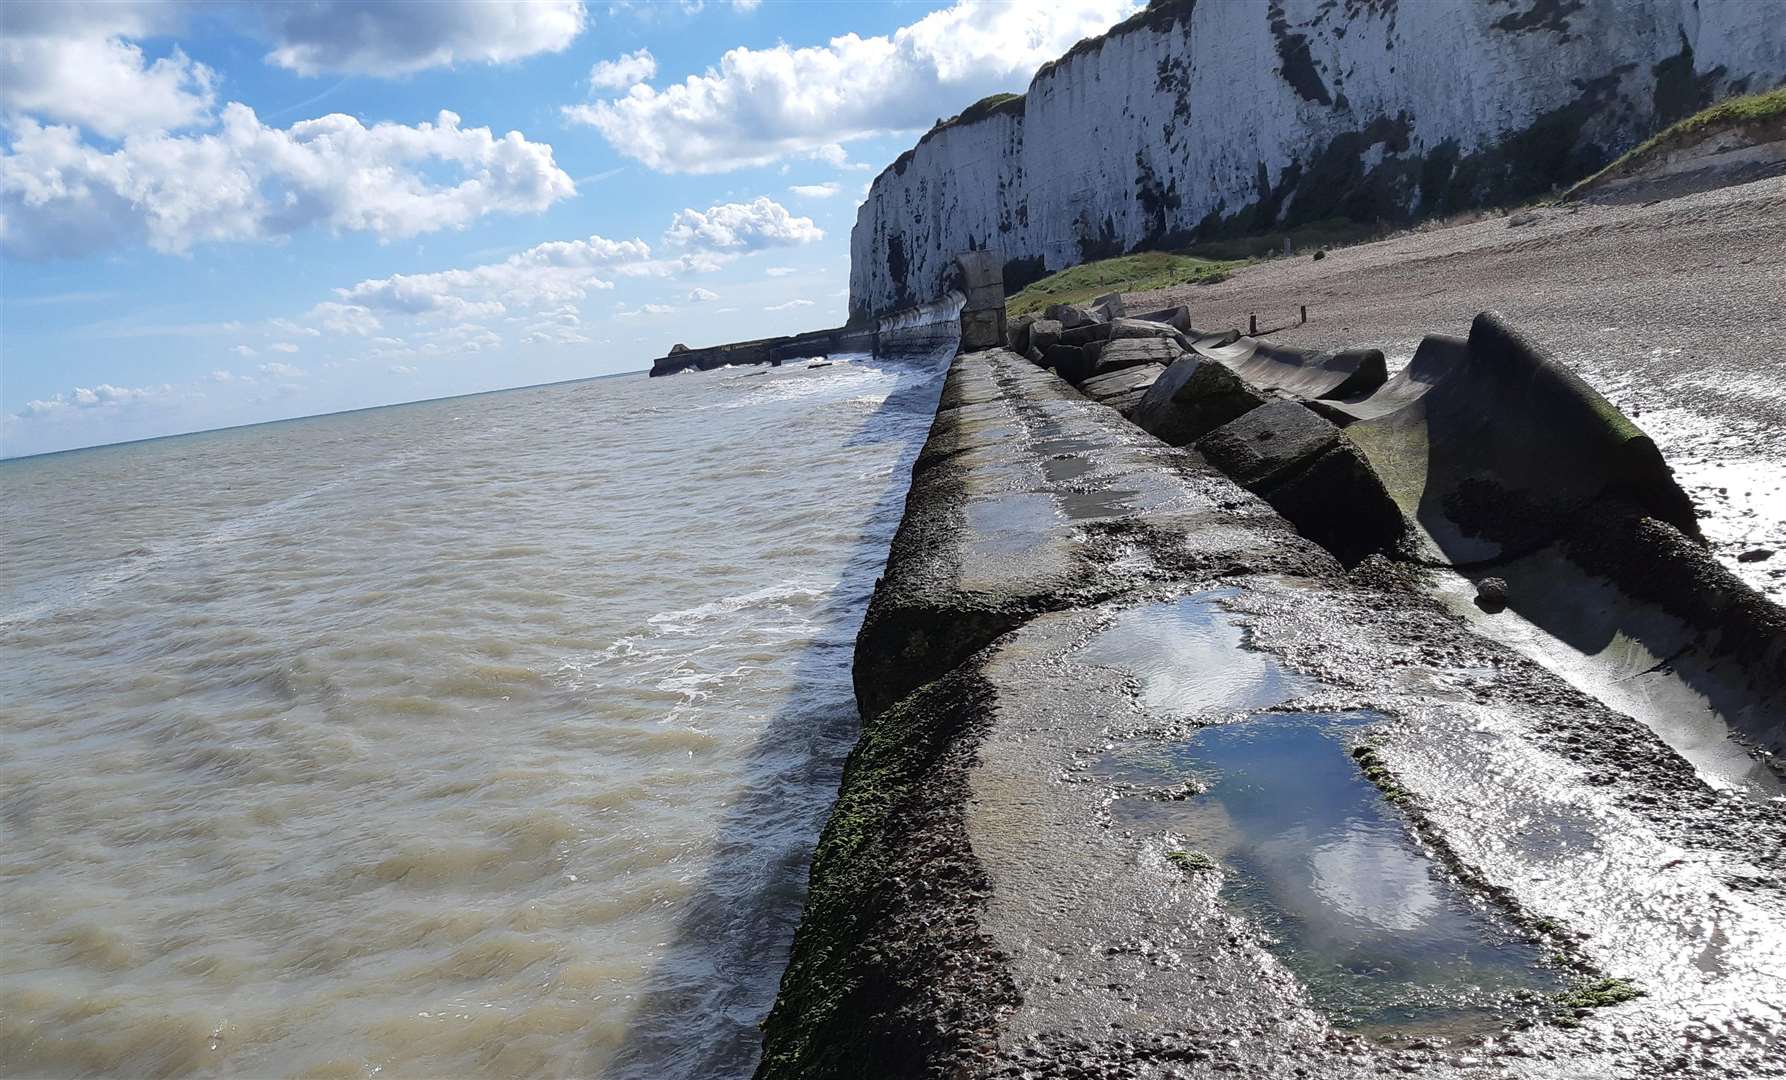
1010	883
1192	117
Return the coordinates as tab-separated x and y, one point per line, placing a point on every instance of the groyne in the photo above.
774	351
995	895
970	310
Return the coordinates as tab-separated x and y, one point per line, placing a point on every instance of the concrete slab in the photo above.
1301	373
1123	381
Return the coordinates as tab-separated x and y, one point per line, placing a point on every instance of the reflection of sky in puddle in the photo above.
1063	445
1191	661
1060	469
1087	505
1009	524
1315	857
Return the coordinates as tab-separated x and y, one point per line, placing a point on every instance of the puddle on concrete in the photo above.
1312	854
1191	659
1062	469
1064	445
1092	505
1010	524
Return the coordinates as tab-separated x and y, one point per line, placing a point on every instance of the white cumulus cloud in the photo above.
60	196
699	295
815	191
789	304
752	226
84	397
552	272
623	71
102	83
759	105
281	371
346	318
398	37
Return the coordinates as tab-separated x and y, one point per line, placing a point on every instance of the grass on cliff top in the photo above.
1126	273
1750	110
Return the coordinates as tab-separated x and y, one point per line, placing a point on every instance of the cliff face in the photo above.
1194	119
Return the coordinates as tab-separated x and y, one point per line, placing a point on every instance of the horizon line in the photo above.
316	416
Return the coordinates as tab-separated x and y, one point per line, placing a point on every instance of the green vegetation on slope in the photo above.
1749	111
1126	273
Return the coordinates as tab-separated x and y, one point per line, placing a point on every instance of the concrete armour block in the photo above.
1194	397
1264	446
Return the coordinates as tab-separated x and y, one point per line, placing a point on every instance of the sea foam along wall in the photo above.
971	912
1197	118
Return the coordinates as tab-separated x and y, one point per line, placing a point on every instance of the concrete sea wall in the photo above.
1193	119
766	350
994	895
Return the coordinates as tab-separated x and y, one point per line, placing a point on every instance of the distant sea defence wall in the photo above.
1197	119
917	329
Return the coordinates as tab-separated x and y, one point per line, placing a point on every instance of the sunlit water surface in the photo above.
480	736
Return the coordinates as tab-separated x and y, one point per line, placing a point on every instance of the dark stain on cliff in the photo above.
1551	15
1101	243
1299	68
897	267
1334	182
1159	206
1020	273
1680	90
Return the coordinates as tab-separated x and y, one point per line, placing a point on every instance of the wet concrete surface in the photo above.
983	903
1672	310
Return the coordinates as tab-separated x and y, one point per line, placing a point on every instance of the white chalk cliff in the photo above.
1198	118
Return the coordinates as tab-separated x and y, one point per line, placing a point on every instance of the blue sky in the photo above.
215	214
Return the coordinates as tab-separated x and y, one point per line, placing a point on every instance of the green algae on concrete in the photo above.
1192	862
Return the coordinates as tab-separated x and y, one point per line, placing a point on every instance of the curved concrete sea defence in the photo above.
1488	456
1087	649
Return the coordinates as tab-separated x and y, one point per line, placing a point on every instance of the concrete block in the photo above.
1128	380
1068	361
1115	355
1017	333
1264	446
1195	396
1071	315
1340	503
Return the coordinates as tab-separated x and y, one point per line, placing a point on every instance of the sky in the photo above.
223	213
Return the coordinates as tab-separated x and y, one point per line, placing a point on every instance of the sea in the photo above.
482	736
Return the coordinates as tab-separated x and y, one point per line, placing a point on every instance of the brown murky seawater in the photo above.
486	736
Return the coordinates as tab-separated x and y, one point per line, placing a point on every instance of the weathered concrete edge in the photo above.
863	990
890	969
